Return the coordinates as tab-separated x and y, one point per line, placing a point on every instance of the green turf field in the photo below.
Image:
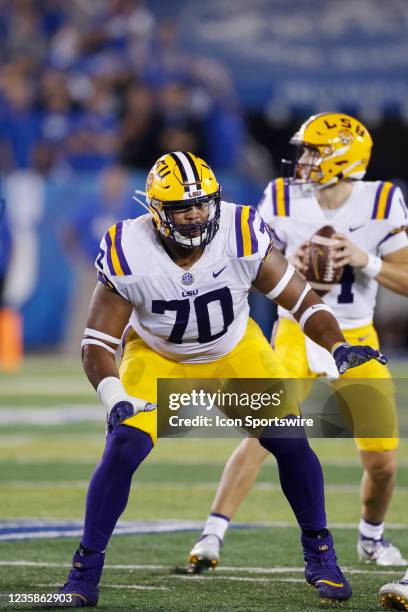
262	570
44	469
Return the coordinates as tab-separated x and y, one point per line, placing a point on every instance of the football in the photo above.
321	273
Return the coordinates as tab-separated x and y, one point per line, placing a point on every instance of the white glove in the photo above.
119	404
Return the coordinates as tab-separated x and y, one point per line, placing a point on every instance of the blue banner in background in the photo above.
306	54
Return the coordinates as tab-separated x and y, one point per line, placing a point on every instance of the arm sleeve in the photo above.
395	226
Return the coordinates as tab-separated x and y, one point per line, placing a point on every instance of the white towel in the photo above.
320	361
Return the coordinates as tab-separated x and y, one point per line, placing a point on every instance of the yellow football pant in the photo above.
289	343
140	368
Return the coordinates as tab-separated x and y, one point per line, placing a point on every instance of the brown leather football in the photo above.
321	273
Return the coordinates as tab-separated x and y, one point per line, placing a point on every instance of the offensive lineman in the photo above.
370	217
218	251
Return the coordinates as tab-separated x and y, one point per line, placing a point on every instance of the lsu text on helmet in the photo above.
177	182
330	148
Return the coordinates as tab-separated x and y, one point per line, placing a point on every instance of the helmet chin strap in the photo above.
336	179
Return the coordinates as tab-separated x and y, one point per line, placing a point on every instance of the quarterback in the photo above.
172	287
370	219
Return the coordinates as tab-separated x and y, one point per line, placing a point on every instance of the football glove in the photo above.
124	410
348	356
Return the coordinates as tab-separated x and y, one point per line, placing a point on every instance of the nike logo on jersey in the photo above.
354	229
215	274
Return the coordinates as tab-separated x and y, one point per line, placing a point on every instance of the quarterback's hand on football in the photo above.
348	356
300	258
125	409
346	252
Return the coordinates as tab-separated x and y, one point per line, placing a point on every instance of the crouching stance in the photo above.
174	284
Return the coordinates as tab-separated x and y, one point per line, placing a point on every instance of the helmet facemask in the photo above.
304	167
188	235
308	165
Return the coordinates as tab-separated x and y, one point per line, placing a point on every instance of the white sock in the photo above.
368	530
216	525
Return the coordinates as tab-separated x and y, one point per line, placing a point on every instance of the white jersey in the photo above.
194	315
373	217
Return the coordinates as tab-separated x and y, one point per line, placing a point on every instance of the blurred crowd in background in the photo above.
92	92
84	84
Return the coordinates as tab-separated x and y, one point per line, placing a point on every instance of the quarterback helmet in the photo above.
331	147
177	182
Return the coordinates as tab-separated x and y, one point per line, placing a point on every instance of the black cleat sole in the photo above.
391	601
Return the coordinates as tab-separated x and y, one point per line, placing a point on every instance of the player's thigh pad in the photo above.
289	344
370	397
139	370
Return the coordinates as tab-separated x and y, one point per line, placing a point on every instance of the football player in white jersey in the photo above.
333	151
173	285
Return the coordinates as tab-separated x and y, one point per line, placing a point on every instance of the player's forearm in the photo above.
394	276
319	325
98	364
323	328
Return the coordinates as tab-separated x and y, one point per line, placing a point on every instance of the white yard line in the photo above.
19	439
133	587
61	384
54	415
249	570
193	524
197	485
276	579
240	579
